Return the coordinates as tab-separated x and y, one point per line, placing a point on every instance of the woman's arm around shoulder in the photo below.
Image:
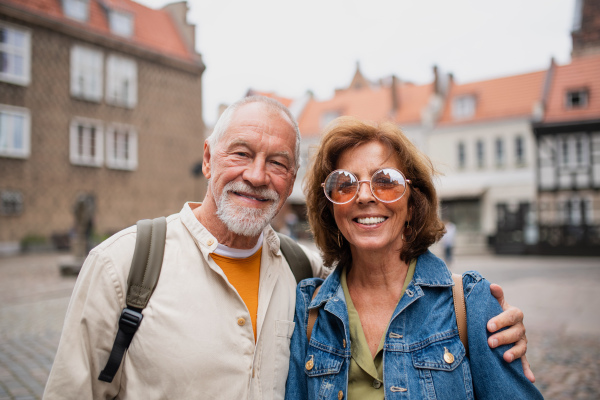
492	376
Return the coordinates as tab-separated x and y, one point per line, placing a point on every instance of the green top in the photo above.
366	374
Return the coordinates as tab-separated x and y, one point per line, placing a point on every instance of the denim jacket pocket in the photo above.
443	370
443	355
318	363
324	371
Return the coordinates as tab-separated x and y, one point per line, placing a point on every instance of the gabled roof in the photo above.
154	30
582	73
373	103
508	97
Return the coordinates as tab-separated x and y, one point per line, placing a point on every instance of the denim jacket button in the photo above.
376	384
309	364
448	357
340	395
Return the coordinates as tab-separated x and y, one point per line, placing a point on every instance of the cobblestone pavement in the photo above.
558	295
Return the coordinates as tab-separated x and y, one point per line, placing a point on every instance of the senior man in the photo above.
219	322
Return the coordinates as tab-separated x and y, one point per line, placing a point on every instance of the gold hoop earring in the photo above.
408	229
339	239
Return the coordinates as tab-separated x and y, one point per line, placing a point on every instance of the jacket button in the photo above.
210	242
376	384
241	321
448	357
340	395
309	364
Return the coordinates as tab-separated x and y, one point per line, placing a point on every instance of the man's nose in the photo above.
256	173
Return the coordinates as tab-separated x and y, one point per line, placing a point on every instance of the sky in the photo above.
291	47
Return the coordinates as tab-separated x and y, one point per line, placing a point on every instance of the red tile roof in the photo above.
283	100
153	29
512	96
582	73
369	103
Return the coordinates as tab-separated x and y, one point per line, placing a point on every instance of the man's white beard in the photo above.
242	220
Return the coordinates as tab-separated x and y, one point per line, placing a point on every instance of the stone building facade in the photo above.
102	103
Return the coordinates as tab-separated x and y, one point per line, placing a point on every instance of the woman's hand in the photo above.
512	317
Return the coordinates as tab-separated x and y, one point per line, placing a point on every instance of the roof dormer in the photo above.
464	106
76	9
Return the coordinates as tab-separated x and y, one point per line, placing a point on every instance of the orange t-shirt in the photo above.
244	275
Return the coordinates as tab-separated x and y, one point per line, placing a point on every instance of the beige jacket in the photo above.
190	344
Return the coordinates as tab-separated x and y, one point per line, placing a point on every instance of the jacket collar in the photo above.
430	271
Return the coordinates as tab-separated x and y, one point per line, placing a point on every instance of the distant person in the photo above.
219	323
385	325
447	241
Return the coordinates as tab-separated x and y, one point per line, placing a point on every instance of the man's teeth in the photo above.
370	220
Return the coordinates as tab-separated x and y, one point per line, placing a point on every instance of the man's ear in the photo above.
206	160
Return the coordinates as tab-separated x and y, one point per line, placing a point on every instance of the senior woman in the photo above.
386	326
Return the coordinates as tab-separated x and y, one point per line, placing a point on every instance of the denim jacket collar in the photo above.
430	271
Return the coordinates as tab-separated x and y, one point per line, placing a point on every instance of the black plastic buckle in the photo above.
130	321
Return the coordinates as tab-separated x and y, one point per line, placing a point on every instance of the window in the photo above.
480	154
86	142
121	81
576	99
574	150
86	73
15	55
463	107
520	151
121	147
499	152
76	9
11	202
120	23
462	158
14	131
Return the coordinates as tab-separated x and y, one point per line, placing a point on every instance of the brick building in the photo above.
99	100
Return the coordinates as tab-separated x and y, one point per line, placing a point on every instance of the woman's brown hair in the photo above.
344	133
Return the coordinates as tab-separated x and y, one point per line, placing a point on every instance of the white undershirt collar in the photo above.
225	251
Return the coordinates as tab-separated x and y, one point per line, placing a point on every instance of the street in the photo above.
557	294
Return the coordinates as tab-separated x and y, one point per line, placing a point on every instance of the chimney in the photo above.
395	97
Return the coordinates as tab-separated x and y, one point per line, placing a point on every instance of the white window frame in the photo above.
121	23
7	141
499	152
121	147
461	155
87	69
12	52
79	148
480	153
583	94
463	107
520	154
574	150
121	81
77	9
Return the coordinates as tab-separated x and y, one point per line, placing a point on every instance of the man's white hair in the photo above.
273	105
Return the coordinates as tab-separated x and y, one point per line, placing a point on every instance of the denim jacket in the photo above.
422	328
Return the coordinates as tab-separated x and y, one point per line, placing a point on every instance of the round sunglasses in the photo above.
387	185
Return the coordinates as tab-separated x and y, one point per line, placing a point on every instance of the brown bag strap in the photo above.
458	296
312	316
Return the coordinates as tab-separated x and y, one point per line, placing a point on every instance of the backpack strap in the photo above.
143	277
296	257
312	316
458	296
